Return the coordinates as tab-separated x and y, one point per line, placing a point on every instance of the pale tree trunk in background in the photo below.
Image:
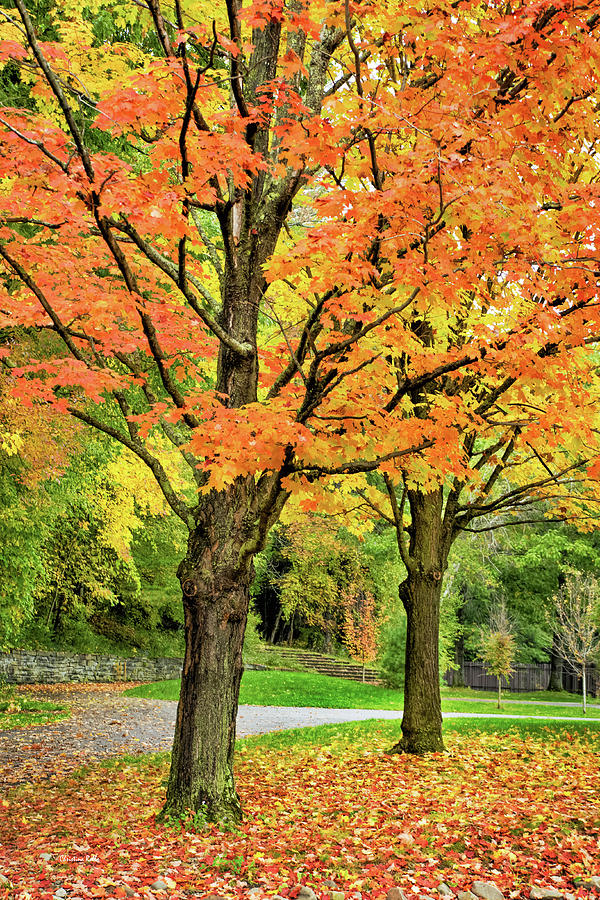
556	667
276	626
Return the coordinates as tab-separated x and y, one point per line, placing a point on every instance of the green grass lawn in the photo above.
20	712
340	736
537	696
274	688
514	708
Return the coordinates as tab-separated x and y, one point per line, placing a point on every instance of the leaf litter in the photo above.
102	723
518	811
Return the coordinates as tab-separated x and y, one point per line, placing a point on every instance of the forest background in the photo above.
89	554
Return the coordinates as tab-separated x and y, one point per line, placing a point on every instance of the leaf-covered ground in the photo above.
101	723
517	810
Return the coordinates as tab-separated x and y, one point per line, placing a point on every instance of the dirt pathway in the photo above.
103	723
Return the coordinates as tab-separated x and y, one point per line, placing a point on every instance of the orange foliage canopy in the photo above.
437	178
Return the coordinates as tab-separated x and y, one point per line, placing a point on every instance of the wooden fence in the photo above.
530	677
572	682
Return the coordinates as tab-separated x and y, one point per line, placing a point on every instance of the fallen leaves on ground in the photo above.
101	723
515	810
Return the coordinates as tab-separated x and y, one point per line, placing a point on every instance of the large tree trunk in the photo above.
215	575
422	719
215	596
231	525
420	594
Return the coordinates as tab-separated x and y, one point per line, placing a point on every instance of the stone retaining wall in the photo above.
50	667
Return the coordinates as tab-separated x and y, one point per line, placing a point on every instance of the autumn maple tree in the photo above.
281	243
144	198
498	648
503	191
359	628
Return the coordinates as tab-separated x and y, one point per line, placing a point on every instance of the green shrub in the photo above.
253	651
393	643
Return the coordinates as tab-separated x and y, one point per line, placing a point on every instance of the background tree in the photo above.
498	648
319	568
360	626
577	607
74	573
471	583
35	446
519	426
311	572
531	571
525	564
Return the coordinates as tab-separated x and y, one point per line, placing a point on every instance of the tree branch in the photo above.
56	90
398	513
167	428
40	145
476	510
364	465
179	507
160	26
27	280
235	33
341	346
148	328
171	269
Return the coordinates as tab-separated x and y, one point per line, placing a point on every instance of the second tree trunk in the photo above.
420	593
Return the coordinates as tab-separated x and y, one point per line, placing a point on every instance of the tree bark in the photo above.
290	636
216	596
230	527
276	626
420	593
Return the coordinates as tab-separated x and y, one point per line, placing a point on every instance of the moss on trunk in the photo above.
216	593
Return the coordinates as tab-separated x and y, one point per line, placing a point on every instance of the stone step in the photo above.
328	665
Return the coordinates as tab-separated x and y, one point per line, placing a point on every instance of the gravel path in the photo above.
104	723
